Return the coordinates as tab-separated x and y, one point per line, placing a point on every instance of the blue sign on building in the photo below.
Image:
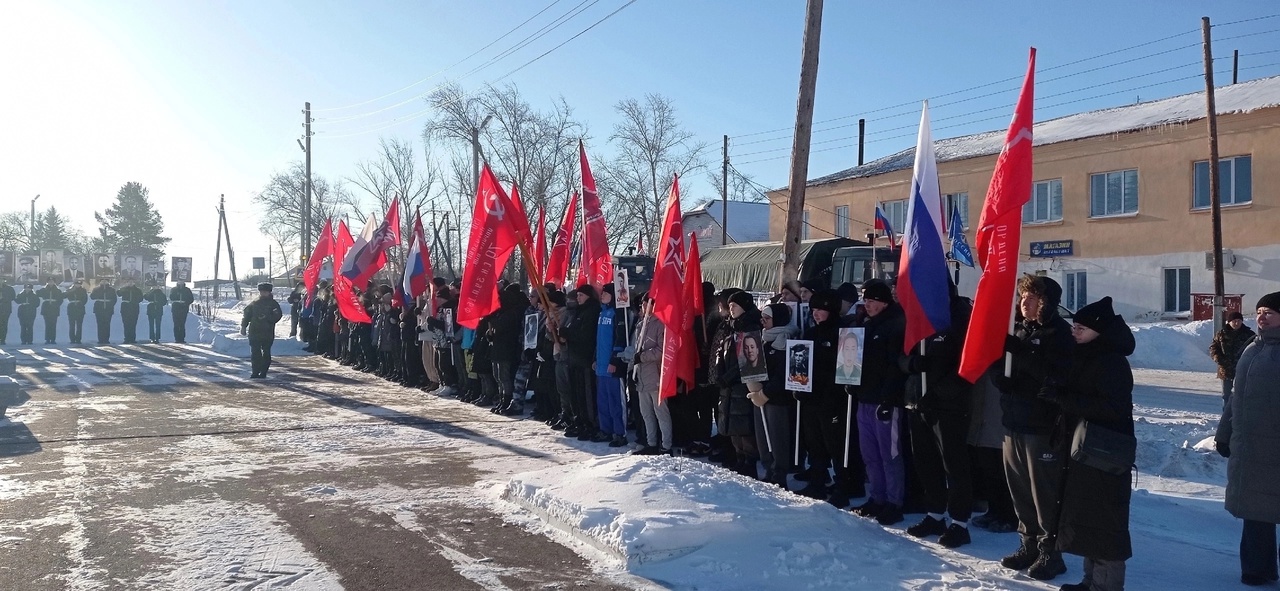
1053	248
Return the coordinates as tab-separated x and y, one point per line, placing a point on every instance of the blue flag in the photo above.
959	248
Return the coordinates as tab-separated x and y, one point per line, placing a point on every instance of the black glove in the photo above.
1003	383
1013	344
1224	448
1050	393
884	412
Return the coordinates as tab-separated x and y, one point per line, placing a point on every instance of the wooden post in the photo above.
800	145
1215	202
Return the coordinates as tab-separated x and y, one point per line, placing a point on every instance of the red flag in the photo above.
558	264
998	237
595	243
520	220
693	275
343	292
493	237
640	244
324	248
693	295
540	246
667	292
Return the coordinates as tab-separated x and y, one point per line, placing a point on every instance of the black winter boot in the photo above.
1026	555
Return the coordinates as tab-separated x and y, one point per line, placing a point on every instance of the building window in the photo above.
842	221
956	201
1045	204
1235	181
1113	193
1075	290
1177	290
804	226
896	211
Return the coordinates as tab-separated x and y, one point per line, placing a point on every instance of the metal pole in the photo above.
724	196
31	236
1215	203
862	139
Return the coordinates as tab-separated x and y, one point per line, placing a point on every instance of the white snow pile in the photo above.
685	524
1173	345
222	334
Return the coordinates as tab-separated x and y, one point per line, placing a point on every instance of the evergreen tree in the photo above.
53	230
131	224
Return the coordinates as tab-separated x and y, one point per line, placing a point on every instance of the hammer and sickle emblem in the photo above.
494	207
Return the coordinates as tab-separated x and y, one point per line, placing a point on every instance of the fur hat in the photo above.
1097	316
743	300
827	300
264	286
877	290
848	292
1271	300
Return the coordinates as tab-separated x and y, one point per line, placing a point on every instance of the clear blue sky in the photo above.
197	99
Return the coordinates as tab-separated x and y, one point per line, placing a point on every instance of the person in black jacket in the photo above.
28	303
880	402
1094	520
939	401
156	301
6	307
295	309
130	305
774	426
506	334
734	414
50	308
825	412
579	341
104	306
259	322
1226	348
1041	346
180	300
543	373
77	300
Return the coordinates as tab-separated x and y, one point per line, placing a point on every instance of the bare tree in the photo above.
281	203
742	187
396	171
652	148
15	231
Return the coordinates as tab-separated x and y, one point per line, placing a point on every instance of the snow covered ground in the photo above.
684	524
641	522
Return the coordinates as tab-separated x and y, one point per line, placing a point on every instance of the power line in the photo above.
441	71
399	120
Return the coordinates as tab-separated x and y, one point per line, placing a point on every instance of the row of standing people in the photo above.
48	303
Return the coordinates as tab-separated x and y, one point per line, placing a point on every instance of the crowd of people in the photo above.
1043	444
48	303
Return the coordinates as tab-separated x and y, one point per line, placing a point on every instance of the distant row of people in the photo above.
47	302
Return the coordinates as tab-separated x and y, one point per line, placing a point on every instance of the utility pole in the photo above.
800	147
217	255
31	236
862	138
1215	203
306	197
724	196
231	255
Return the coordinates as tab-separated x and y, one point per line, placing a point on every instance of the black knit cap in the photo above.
557	298
1097	316
825	299
587	290
1235	316
848	292
877	290
813	285
780	313
1271	300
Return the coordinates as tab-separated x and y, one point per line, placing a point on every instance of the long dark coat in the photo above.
1095	504
734	408
1250	425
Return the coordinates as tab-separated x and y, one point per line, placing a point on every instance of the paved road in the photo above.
163	467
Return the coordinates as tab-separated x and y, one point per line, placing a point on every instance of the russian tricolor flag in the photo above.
415	279
882	224
923	289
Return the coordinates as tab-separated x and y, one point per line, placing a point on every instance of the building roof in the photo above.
748	220
1244	97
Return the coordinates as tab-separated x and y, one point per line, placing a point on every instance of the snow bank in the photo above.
687	525
1173	345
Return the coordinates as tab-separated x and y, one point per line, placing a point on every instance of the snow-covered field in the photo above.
677	523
